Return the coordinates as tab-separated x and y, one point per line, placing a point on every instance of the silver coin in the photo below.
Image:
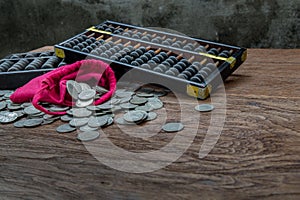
88	128
145	95
30	123
151	116
98	121
20	113
73	88
83	104
124	100
13	107
78	122
31	110
110	121
3	92
26	104
93	108
155	103
57	108
159	93
3	105
145	90
8	117
146	108
85	86
100	90
128	106
7	95
138	100
87	95
105	106
49	121
81	112
122	121
88	136
124	94
173	127
65	128
51	117
204	107
19	124
135	116
66	118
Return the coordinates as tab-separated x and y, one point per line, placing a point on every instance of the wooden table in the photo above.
256	156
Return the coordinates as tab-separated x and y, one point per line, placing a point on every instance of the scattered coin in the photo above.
30	123
138	100
88	128
87	95
66	118
83	104
84	86
204	107
73	88
100	89
122	121
19	124
78	122
105	106
155	103
88	136
128	106
31	110
135	116
151	116
2	105
173	127
58	108
146	95
98	121
65	128
81	112
8	117
124	94
159	93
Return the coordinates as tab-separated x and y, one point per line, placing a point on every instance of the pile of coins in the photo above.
133	108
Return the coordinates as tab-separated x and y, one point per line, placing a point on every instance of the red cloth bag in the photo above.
51	87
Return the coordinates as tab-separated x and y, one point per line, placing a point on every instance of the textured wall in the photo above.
27	24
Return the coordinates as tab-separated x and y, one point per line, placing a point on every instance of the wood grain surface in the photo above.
256	156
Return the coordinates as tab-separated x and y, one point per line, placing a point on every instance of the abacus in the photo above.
18	69
191	62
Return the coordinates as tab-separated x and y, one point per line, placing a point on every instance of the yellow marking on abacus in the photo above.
99	31
244	56
200	93
59	53
231	60
212	56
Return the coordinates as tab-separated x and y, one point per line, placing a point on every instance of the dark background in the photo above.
29	24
